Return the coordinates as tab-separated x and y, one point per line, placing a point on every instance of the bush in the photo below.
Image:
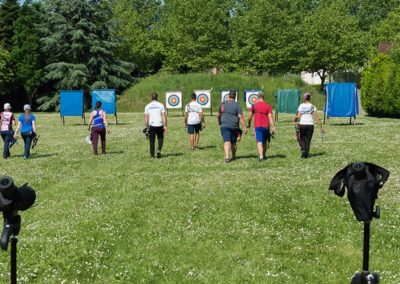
381	85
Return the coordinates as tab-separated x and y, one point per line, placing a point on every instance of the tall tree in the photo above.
137	27
5	73
78	38
9	12
26	53
332	41
265	33
194	34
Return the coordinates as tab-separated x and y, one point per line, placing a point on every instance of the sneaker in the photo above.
227	161
26	158
158	155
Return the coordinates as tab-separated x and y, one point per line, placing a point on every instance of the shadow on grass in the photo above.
317	154
171	155
345	124
276	156
38	156
207	147
115	152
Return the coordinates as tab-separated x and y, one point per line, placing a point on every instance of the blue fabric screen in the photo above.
107	98
341	100
71	103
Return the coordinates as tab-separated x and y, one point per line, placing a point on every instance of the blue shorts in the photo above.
192	128
262	135
229	134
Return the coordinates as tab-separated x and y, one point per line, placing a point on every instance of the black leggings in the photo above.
306	133
153	131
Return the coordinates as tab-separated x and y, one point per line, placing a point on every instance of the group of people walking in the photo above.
230	116
26	124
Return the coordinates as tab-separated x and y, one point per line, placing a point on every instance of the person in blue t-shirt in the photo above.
100	127
27	125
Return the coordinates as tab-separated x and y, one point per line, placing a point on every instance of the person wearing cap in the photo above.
229	115
263	124
7	123
307	113
27	125
194	121
98	118
155	119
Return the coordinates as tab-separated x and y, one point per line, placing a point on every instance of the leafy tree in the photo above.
265	33
9	12
332	41
78	38
5	74
194	34
137	27
26	53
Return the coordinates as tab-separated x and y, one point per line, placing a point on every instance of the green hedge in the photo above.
381	86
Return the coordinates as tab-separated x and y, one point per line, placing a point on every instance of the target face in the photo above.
173	99
225	96
203	98
251	98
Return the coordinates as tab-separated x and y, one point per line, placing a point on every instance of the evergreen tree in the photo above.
26	53
9	12
5	74
80	47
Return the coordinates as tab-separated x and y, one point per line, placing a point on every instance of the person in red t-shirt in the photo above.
263	121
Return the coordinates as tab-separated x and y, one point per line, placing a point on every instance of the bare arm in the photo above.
164	120
241	118
296	118
17	129
316	117
219	118
249	119
34	126
105	122
185	118
146	120
90	120
272	123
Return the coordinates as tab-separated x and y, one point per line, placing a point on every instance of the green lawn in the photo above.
190	218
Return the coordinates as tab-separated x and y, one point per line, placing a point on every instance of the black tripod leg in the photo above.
13	254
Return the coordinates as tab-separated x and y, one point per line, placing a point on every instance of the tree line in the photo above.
48	45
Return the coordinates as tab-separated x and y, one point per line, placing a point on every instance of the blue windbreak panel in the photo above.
341	100
71	103
107	98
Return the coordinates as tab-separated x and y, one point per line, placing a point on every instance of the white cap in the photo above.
7	106
27	107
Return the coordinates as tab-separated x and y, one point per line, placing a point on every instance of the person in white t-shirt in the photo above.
155	120
307	113
194	121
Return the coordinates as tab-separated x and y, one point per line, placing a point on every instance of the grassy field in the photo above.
136	97
190	218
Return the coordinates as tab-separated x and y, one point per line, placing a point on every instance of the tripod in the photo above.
365	276
12	226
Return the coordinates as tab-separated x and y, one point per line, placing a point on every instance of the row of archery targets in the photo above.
342	100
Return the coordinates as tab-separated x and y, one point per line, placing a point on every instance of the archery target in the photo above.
225	95
251	98
173	99
203	98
